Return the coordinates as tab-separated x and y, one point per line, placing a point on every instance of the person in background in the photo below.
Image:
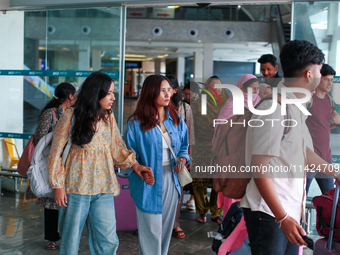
190	92
269	69
154	120
322	108
65	96
85	186
184	110
245	82
265	90
202	150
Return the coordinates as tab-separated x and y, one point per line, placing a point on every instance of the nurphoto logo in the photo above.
238	104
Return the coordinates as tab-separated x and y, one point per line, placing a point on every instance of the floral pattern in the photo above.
89	170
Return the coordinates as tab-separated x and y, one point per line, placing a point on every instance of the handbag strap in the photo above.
69	142
167	142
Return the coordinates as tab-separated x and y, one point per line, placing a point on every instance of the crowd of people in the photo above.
169	115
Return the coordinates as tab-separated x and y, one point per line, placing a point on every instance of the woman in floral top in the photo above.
85	185
65	96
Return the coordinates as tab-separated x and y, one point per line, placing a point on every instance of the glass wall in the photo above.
318	22
40	49
66	46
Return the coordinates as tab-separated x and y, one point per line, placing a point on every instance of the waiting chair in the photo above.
12	148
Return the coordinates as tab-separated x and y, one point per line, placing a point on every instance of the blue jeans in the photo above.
325	182
265	236
98	212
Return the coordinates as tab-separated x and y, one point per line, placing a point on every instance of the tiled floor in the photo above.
22	231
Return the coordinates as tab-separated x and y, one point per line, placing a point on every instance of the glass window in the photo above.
55	46
318	22
68	45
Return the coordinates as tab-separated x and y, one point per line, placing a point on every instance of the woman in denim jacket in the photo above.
156	204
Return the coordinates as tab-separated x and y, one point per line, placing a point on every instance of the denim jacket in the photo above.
149	152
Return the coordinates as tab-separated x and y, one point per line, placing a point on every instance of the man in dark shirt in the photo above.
322	108
269	70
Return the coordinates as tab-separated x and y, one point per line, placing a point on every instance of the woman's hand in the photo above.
183	162
144	172
60	197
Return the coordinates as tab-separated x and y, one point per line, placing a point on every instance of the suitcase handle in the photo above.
335	203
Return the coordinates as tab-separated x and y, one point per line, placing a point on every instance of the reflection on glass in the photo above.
67	40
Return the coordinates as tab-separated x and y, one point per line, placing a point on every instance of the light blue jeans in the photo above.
98	212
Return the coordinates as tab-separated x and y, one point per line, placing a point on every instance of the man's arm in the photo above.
289	226
336	119
314	161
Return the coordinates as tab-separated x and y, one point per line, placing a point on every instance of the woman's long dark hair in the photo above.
146	109
88	110
176	99
61	93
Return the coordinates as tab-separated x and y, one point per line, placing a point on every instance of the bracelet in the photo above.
280	221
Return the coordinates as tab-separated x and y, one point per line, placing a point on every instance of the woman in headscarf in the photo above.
265	90
202	150
245	82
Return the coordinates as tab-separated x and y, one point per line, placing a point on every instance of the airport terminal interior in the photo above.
43	44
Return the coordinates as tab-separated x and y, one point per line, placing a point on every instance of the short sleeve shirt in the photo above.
288	161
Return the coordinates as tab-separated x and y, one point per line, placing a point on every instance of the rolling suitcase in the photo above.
328	245
126	219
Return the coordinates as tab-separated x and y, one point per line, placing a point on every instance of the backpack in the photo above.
228	149
323	205
229	223
26	157
38	170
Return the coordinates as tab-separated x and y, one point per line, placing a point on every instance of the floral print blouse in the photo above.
188	119
89	170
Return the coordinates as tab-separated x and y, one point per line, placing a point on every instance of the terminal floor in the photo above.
22	231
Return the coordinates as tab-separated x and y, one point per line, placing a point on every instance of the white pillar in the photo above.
180	70
198	66
12	94
157	66
96	59
83	59
208	62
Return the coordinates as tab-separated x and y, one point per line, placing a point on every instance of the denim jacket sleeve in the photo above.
183	152
130	140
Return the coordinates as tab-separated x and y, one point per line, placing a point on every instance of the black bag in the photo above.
229	223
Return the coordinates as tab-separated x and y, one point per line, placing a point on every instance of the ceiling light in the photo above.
172	7
135	56
138	59
239	6
162	56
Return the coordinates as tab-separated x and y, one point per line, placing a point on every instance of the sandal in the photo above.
178	234
217	219
202	218
191	204
51	246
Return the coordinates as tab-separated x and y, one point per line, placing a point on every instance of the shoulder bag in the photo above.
184	178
